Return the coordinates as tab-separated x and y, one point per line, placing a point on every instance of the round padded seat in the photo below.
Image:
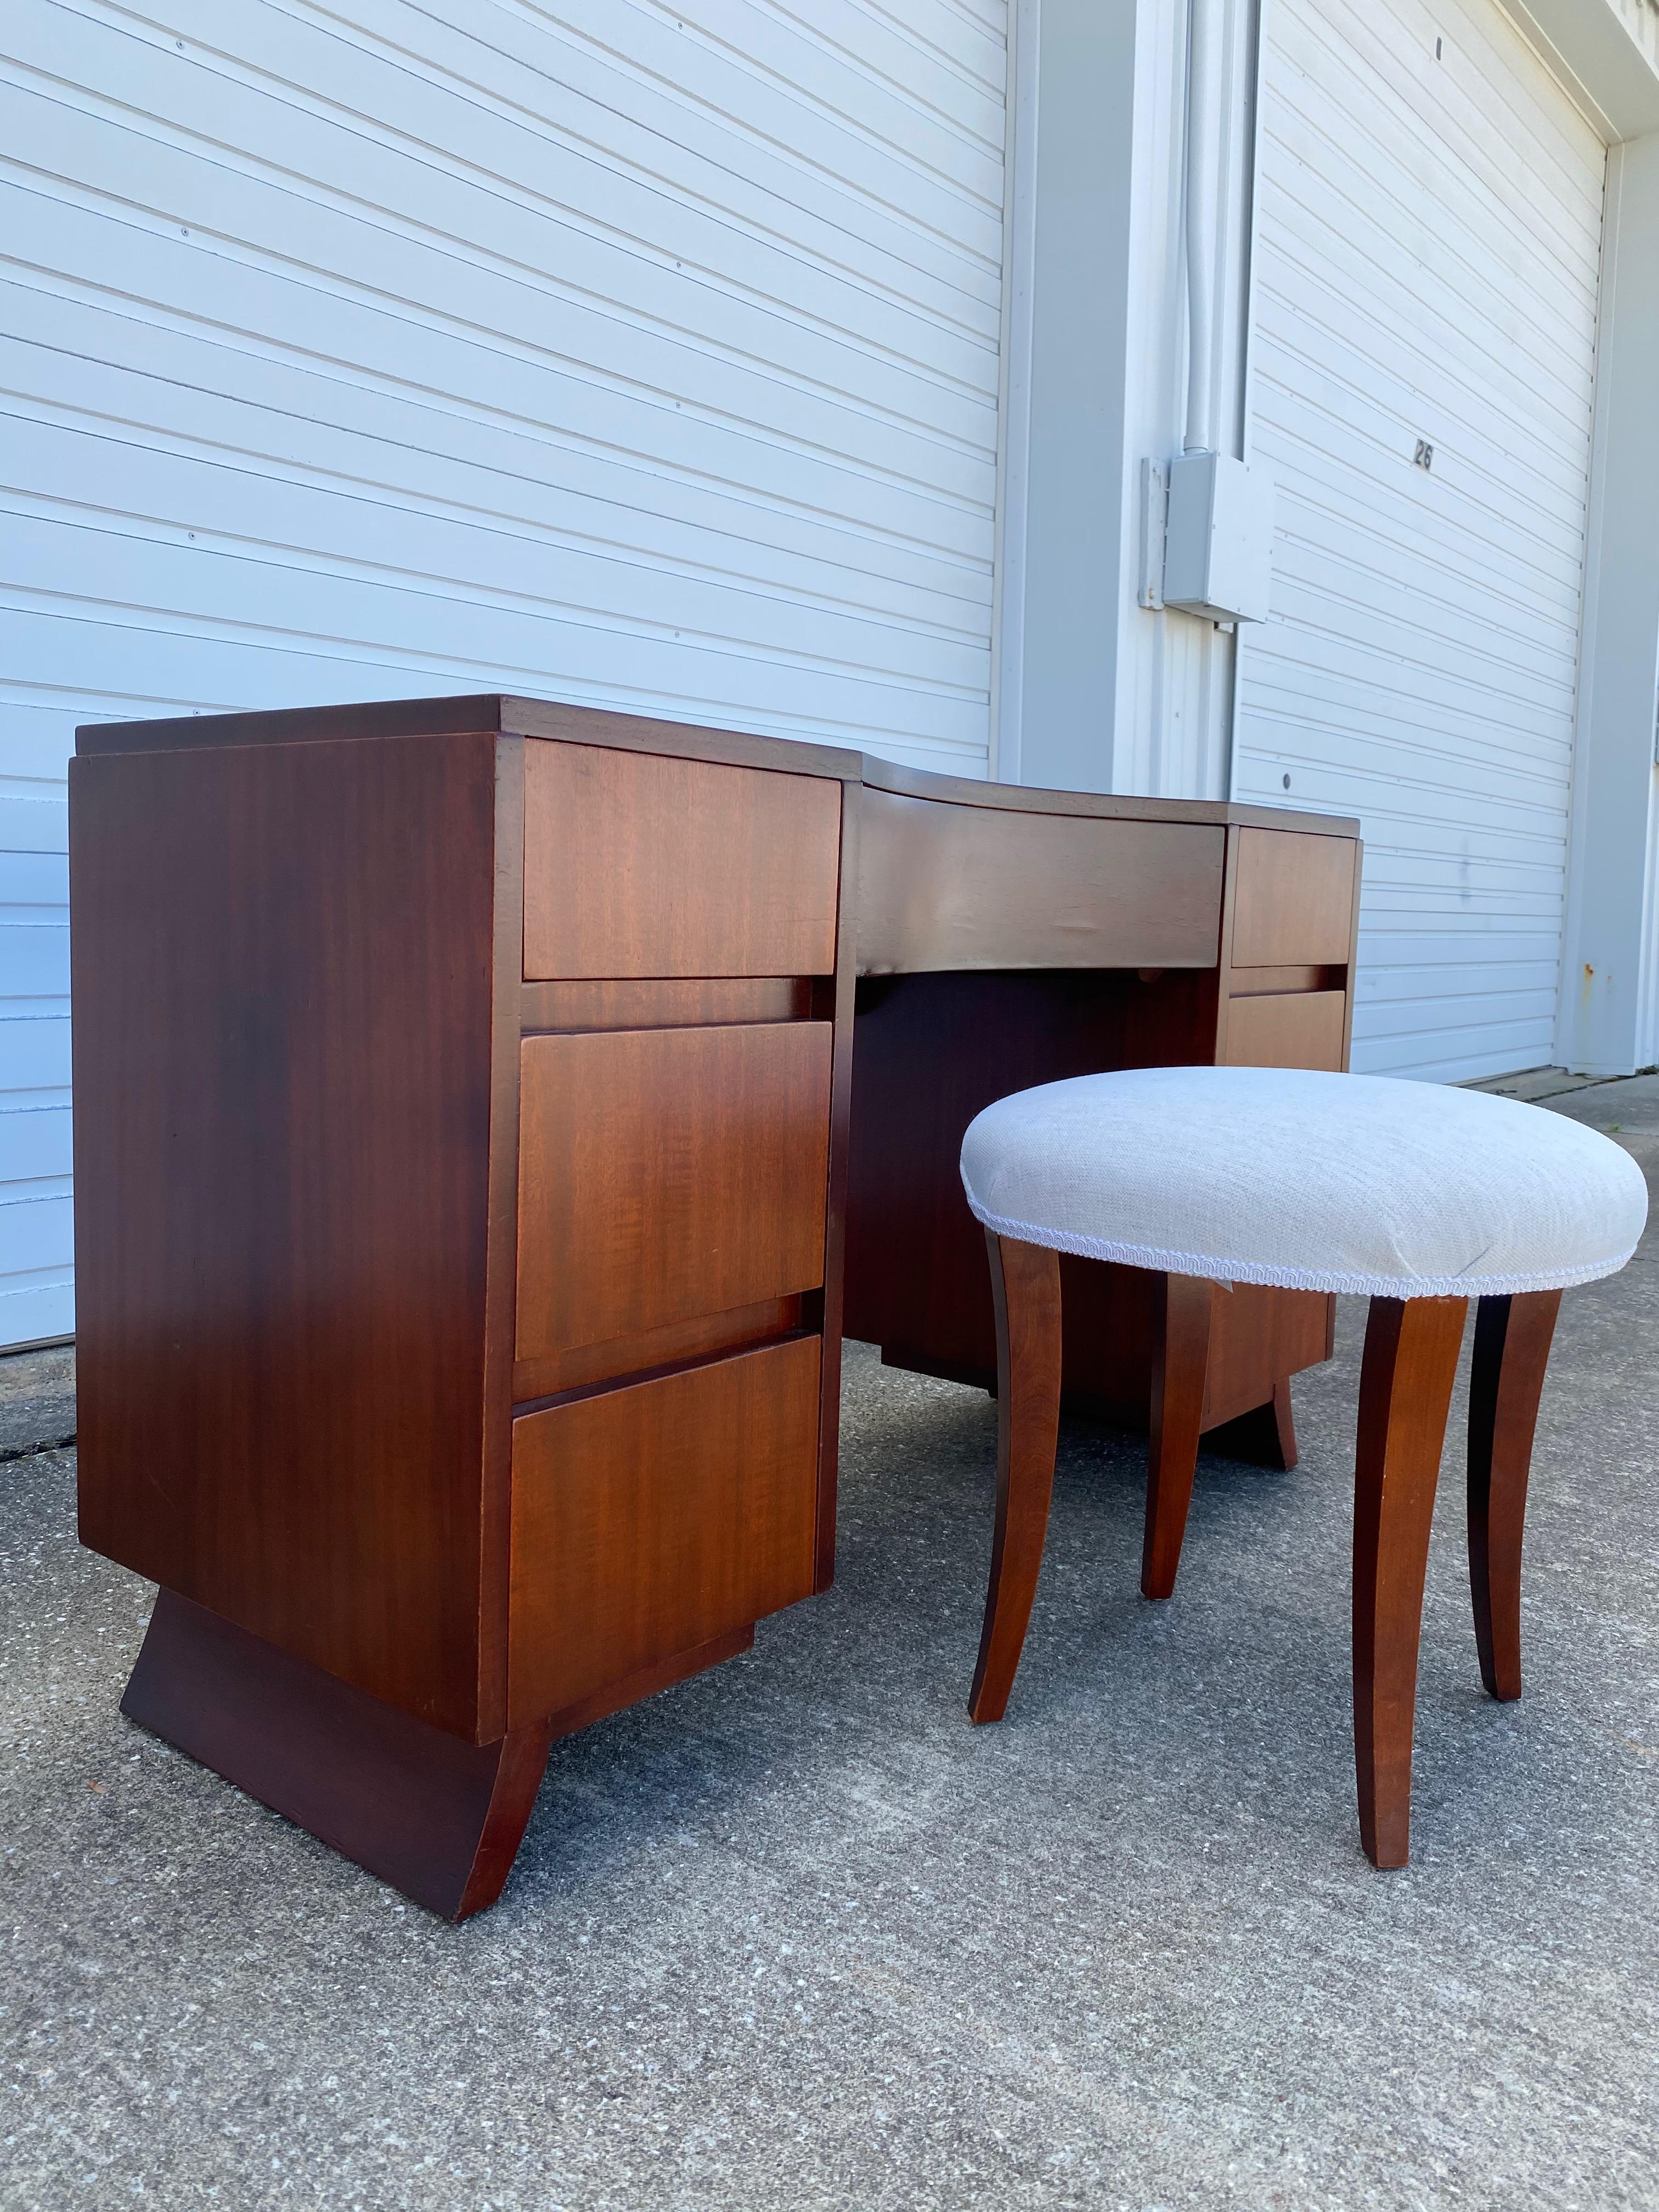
1314	1181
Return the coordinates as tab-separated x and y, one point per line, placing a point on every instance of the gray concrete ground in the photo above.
796	1935
37	1400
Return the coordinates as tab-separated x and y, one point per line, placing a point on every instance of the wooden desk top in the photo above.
544	718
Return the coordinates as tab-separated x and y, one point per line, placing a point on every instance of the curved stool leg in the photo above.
1405	1392
1511	1350
1180	1354
1025	1289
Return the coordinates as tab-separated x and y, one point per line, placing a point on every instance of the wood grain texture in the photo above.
932	1051
1512	1339
1279	1330
283	974
1263	1436
365	720
650	1520
558	719
944	888
1295	898
837	999
437	1818
501	1257
664	1003
1183	1305
671	1345
665	1173
308	935
878	775
1404	1390
638	865
1258	1339
1354	947
1025	1291
1304	1029
1255	982
649	1682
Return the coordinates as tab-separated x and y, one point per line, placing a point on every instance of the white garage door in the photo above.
644	355
1429	239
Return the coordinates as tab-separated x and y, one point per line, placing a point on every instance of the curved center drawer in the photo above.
665	1174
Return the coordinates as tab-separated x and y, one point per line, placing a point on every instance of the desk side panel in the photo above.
283	961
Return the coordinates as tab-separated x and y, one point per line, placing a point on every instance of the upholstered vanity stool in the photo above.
1421	1197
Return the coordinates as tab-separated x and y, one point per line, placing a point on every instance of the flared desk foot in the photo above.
436	1817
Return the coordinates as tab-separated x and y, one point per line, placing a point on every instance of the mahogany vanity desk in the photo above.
469	1137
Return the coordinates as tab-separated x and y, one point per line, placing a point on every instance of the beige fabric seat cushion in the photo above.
1317	1181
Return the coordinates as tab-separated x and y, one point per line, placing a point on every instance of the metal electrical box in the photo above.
1217	553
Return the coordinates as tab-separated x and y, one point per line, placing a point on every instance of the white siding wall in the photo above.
36	1297
1427	256
645	355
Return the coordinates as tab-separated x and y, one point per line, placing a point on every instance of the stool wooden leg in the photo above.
1405	1391
1181	1354
1025	1289
1511	1350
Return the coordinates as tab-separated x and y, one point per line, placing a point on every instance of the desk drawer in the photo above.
638	865
1287	1029
649	1520
946	886
1293	899
665	1173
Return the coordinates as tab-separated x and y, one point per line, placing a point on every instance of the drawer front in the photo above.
637	865
945	886
655	1518
665	1174
1293	899
1290	1029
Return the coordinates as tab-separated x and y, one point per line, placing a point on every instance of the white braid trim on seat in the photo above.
1228	1271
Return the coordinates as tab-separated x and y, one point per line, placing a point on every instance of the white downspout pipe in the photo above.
1200	210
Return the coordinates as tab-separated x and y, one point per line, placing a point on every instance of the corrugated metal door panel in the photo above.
35	1055
790	379
36	1294
400	326
1502	520
1428	241
38	1144
645	356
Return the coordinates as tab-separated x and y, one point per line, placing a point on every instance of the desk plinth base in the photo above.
435	1816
